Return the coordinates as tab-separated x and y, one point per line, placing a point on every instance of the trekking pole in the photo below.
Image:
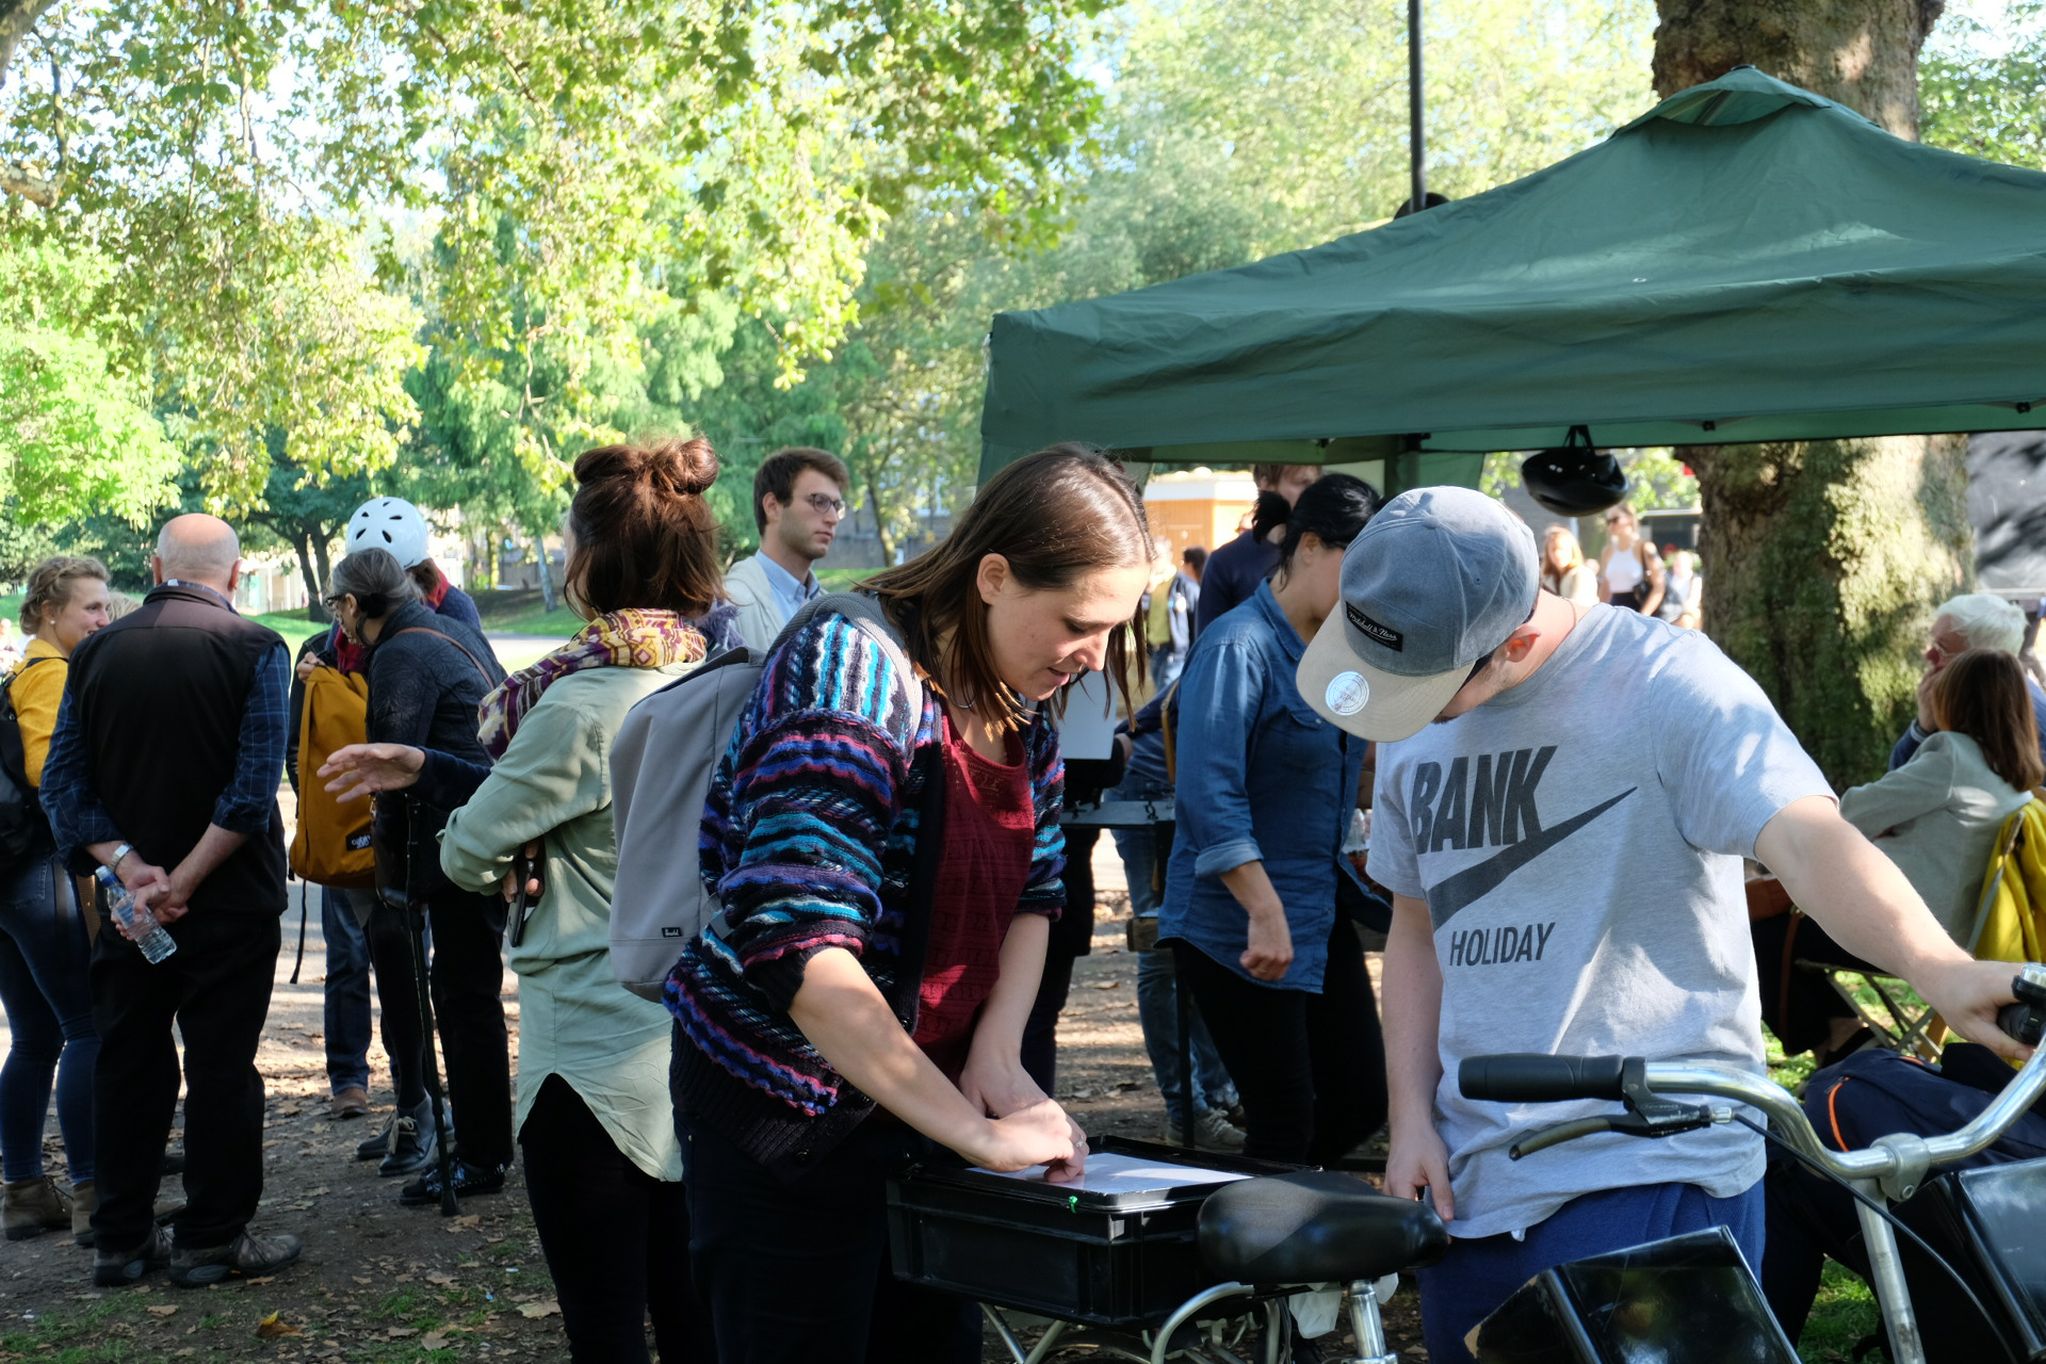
415	937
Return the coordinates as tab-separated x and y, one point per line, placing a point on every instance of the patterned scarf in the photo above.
631	638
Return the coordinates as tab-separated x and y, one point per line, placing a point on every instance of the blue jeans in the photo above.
46	990
1166	663
1158	982
347	993
1478	1275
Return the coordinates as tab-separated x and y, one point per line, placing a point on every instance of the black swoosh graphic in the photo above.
1457	891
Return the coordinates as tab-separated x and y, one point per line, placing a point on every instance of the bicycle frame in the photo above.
1894	1168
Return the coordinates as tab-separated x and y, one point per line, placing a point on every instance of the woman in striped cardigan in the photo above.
863	995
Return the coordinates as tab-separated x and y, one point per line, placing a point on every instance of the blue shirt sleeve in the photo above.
1907	744
77	818
246	805
1221	700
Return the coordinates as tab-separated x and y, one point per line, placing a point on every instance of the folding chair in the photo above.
2013	894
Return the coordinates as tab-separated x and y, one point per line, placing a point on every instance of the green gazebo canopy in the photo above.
1745	262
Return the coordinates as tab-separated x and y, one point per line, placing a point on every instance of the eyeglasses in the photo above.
826	505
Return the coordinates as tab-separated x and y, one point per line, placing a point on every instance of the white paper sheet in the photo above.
1116	1173
1088	728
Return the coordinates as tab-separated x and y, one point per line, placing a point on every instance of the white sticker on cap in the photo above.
1347	693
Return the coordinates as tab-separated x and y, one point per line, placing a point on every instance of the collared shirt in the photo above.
789	592
1262	778
78	818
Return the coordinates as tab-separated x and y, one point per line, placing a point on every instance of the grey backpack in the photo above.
661	766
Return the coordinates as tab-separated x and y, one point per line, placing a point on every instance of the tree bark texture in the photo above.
1824	560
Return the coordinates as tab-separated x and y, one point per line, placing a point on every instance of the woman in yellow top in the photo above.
43	946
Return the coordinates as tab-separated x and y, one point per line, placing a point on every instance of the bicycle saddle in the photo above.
1315	1227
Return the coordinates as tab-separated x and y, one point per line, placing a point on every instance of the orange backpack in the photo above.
331	847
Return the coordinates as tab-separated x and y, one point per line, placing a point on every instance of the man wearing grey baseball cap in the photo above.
1562	805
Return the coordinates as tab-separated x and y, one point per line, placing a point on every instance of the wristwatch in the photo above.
120	852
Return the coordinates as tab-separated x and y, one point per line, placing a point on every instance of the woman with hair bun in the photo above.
887	852
603	1164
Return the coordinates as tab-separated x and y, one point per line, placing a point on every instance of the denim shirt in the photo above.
1262	778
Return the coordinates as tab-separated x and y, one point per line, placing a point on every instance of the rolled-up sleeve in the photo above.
246	805
1220	700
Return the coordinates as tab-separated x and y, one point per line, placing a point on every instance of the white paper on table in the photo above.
1115	1173
1088	727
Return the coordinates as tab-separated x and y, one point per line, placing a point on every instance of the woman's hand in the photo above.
364	769
1041	1134
995	1085
1271	946
510	889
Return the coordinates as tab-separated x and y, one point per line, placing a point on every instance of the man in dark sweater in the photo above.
1235	570
164	770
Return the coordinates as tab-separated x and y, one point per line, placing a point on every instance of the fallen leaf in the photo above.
440	1277
165	1311
274	1326
535	1310
465	1223
401	1332
434	1340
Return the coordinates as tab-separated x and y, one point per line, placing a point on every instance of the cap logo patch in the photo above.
1384	634
1347	693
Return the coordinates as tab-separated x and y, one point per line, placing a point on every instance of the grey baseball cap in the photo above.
1437	580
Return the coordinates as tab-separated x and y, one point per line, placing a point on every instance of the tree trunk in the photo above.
315	609
325	564
546	572
1825	559
880	526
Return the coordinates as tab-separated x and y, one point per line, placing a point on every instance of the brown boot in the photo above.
34	1206
84	1202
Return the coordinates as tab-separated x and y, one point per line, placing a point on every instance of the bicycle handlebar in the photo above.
1520	1078
1528	1077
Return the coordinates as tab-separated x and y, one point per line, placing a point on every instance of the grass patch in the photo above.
559	623
293	625
1844	1315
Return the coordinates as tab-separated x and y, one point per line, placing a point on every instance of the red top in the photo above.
990	827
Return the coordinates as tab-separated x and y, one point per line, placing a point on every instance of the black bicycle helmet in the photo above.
1574	479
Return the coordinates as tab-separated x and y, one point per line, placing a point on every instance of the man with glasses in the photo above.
798	501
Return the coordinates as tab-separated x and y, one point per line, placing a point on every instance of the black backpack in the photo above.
23	828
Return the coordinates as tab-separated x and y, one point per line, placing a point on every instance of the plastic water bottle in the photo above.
156	943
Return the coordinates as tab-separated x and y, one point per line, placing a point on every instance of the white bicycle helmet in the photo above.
390	523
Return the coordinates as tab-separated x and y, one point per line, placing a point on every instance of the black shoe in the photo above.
412	1147
117	1269
246	1255
469	1180
378	1146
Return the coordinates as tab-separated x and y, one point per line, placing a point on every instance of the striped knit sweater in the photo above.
808	839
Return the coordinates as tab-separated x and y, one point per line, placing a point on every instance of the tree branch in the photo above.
17	181
17	17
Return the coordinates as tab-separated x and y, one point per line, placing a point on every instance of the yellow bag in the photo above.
331	847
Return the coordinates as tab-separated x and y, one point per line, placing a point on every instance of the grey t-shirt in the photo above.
1578	840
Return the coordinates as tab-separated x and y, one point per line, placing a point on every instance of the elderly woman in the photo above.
427	675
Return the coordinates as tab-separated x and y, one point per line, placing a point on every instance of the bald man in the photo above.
163	771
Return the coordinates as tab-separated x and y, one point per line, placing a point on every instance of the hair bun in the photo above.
675	468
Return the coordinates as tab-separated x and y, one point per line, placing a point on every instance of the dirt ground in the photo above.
379	1282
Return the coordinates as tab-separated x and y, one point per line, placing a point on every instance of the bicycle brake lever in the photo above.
1670	1119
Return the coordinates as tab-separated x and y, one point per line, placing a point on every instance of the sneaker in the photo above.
117	1269
470	1180
412	1144
1212	1127
352	1102
250	1256
34	1206
378	1146
84	1202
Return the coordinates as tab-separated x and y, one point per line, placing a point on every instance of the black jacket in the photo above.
427	675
